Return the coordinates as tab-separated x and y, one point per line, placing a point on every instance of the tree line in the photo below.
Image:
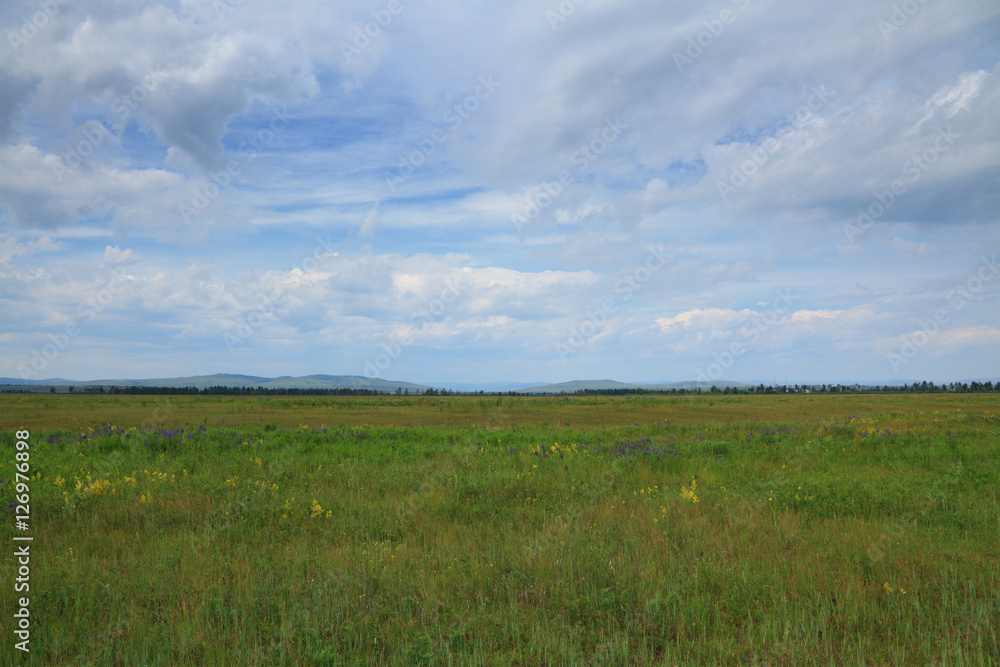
219	390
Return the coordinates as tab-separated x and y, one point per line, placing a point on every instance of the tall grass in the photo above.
813	540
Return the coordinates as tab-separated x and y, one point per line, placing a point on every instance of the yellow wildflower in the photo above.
689	494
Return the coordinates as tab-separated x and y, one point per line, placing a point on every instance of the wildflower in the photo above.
689	494
98	487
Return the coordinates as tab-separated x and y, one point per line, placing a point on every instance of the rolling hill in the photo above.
598	385
230	380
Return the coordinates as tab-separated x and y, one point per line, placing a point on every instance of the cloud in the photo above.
952	99
149	128
116	256
9	247
370	223
18	89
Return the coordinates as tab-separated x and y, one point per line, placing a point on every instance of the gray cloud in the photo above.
182	97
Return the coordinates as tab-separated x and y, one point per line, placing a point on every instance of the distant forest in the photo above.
954	387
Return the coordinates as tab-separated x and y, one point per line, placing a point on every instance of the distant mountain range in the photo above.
598	385
228	380
390	386
359	382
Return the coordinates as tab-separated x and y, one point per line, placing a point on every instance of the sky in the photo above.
647	191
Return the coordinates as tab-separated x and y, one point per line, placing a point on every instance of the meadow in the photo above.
760	530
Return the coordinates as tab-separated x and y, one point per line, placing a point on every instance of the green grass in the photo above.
488	532
85	410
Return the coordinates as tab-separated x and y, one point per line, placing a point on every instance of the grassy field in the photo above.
773	530
82	411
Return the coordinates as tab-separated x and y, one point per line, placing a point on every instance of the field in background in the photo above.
528	530
82	410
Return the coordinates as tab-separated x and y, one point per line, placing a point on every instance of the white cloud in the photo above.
116	256
9	247
225	206
370	223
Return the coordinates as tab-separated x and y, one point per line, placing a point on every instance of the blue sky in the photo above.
474	192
